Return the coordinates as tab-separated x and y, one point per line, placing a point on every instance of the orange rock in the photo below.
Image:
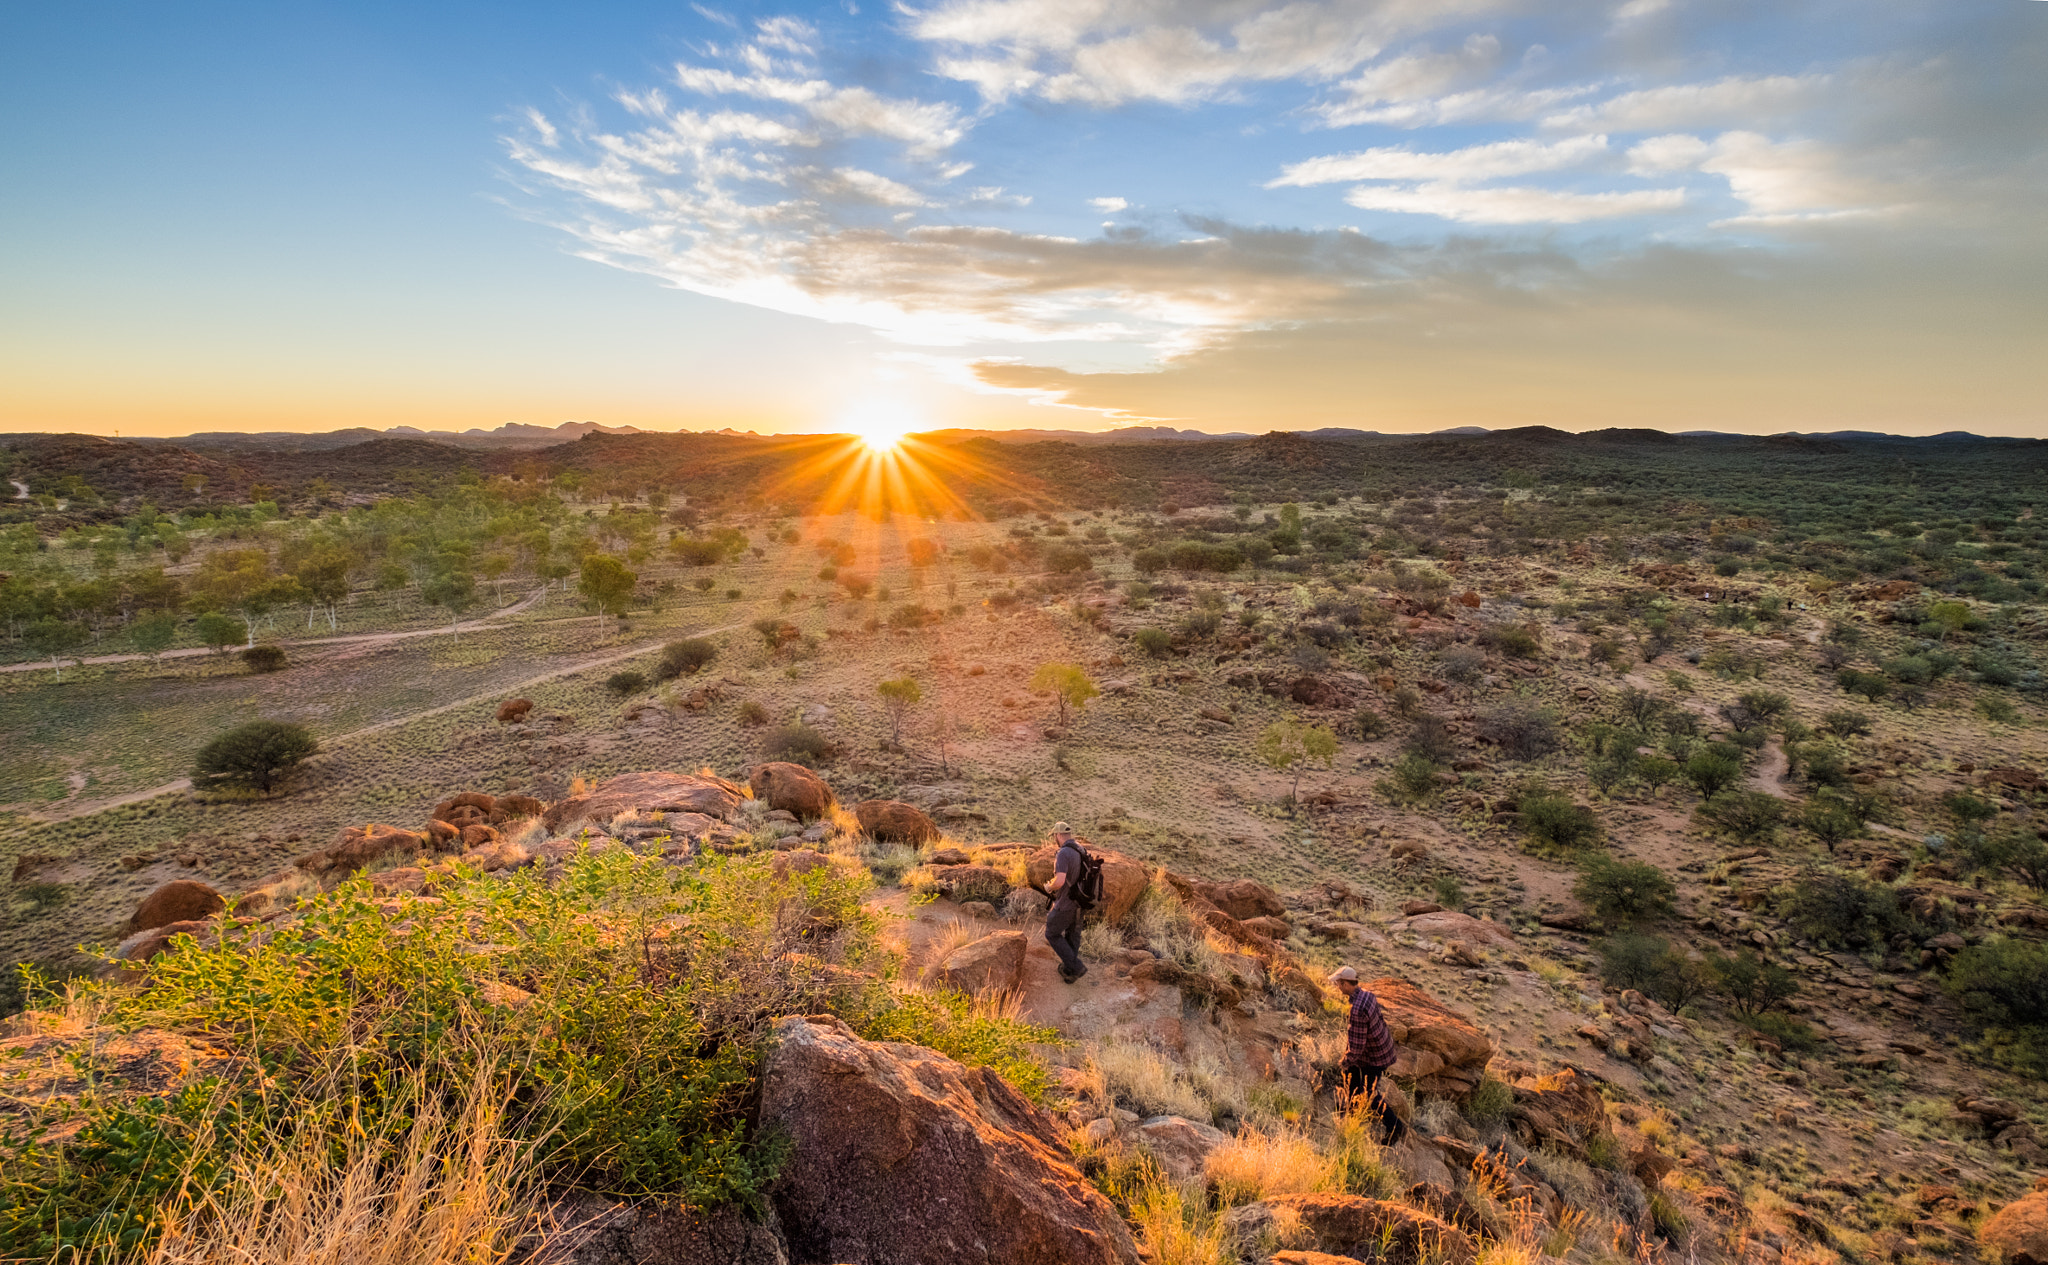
1123	879
181	900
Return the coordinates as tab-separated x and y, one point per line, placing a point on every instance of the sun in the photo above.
879	425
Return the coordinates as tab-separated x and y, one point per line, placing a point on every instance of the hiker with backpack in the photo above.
1368	1054
1075	888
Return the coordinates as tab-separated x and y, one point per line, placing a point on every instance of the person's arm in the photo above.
1059	880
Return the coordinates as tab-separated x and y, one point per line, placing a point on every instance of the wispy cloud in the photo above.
1476	162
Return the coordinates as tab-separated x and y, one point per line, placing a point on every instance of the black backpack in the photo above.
1087	881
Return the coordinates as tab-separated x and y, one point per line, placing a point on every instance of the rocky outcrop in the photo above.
357	846
1123	880
994	963
516	807
181	900
1349	1227
655	792
1181	1145
513	711
1243	899
2018	1232
1445	924
901	1156
1441	1052
465	809
893	821
791	788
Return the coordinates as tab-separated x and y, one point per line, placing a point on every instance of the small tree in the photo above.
1712	770
257	755
899	696
1068	683
1751	985
606	585
454	591
53	637
1288	744
153	633
219	631
1153	641
1624	893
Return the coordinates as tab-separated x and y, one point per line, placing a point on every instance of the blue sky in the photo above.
1397	215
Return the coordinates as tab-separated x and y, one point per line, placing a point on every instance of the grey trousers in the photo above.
1063	933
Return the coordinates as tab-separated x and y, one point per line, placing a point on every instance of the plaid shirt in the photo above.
1367	1043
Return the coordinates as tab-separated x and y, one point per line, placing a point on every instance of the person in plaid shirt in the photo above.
1368	1053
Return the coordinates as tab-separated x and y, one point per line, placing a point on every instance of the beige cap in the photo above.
1062	828
1345	973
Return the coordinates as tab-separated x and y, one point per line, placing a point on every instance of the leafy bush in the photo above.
1751	985
1521	731
1517	641
753	713
1369	723
1650	965
1846	724
1554	820
1839	909
629	681
1430	737
1411	780
264	658
1624	893
1870	686
257	755
1153	641
1191	555
798	742
1712	769
1460	663
684	658
1788	1033
2003	984
1749	816
1830	822
2019	853
1653	771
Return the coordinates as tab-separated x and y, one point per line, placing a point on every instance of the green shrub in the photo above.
798	742
1653	770
2003	984
1748	816
1652	966
1788	1033
1624	893
1555	821
264	658
2019	853
1870	686
1712	769
1191	555
1517	641
1840	909
1369	724
1751	985
1411	780
256	756
1522	732
1846	724
1490	1103
1830	822
1153	641
684	658
629	681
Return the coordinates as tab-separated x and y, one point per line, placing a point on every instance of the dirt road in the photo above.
82	808
470	625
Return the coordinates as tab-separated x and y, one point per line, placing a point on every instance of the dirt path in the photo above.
84	809
1770	771
20	489
471	625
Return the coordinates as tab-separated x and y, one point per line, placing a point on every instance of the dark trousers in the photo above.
1063	933
1363	1086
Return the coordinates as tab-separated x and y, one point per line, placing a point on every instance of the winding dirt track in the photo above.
440	630
86	808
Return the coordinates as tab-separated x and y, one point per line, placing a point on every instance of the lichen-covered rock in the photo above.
791	788
901	1155
2018	1232
893	821
180	900
654	792
992	964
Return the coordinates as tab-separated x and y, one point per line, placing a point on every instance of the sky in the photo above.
1396	215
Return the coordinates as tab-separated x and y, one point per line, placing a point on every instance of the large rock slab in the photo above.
994	963
596	1231
1445	924
893	821
2018	1232
654	792
1244	899
1443	1052
903	1157
791	788
180	900
358	846
1123	879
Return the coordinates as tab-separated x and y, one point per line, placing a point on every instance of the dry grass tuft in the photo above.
1254	1165
451	1190
1171	1231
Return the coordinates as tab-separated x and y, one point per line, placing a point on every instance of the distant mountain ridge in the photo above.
512	435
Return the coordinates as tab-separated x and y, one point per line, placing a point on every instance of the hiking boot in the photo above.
1072	977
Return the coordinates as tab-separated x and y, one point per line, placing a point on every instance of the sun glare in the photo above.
879	425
